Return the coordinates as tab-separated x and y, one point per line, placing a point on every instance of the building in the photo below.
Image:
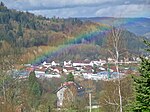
68	70
67	93
82	63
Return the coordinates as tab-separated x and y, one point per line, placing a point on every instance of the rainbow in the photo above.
52	53
78	39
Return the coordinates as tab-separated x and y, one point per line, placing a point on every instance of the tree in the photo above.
142	85
35	90
116	48
11	37
70	77
9	81
70	96
20	30
109	100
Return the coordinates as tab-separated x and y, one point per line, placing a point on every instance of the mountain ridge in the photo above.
139	26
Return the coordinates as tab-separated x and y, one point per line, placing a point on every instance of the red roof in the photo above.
58	68
69	68
30	69
113	68
88	67
42	69
68	83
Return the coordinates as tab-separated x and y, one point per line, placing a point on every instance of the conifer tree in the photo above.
70	77
142	86
20	30
35	90
34	85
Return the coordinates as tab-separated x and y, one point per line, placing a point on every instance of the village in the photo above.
95	70
74	56
83	69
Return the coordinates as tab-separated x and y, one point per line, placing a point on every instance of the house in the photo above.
111	60
92	76
47	65
67	64
102	62
102	68
52	75
24	74
57	69
95	62
82	63
87	75
104	74
87	69
30	69
97	76
68	70
67	93
40	72
99	62
53	63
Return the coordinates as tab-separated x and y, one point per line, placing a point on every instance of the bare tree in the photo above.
109	100
69	97
116	48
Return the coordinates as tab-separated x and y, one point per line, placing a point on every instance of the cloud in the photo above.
125	11
83	8
110	11
67	12
51	4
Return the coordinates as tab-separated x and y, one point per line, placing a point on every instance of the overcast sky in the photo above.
83	8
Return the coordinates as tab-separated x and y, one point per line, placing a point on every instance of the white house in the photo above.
111	60
102	68
82	63
69	70
99	62
54	63
66	89
57	69
47	65
102	62
99	76
52	75
39	72
67	64
60	96
91	76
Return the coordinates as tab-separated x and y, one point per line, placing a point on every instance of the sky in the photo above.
83	8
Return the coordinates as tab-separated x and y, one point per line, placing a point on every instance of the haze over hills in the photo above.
139	26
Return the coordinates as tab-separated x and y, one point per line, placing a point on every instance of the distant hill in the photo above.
139	26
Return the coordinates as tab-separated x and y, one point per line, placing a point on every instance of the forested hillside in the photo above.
25	30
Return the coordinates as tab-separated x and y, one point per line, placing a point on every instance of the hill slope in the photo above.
23	29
